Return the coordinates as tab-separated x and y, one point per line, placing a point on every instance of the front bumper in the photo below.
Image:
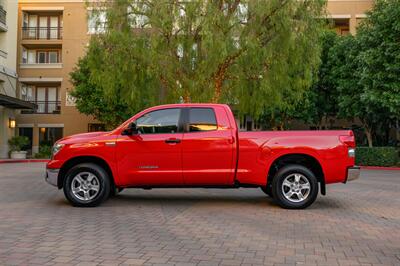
52	176
353	173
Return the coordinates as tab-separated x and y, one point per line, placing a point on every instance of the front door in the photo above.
207	149
154	155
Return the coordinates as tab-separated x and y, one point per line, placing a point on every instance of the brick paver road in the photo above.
356	224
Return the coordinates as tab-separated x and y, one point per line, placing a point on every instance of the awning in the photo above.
15	103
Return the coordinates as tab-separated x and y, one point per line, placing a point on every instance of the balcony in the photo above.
40	65
3	19
45	107
42	33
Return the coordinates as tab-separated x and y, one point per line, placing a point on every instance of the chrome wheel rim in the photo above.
296	187
85	186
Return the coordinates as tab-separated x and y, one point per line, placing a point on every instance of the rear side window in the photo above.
202	119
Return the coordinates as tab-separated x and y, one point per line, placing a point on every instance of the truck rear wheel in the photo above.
294	187
86	185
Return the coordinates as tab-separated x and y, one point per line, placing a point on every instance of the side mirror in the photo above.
130	130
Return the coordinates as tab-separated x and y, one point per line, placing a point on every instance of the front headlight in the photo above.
56	148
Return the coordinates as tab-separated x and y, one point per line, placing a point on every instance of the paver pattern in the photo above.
355	224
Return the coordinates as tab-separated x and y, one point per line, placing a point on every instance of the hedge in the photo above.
377	156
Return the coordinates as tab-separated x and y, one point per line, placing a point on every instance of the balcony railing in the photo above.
42	33
3	15
45	107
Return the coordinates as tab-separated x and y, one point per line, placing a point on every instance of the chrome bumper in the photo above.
353	173
52	176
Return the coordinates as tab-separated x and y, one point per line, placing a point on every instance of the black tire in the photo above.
267	190
279	192
103	183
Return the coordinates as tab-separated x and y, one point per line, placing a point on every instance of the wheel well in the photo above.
301	159
83	159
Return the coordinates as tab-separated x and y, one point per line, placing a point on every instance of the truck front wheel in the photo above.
86	185
294	187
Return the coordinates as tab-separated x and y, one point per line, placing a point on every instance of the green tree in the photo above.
367	71
257	55
91	100
379	36
320	102
380	60
351	102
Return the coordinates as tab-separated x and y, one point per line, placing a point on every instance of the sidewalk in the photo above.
24	160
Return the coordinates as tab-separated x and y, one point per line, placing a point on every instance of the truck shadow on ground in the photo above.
212	199
151	199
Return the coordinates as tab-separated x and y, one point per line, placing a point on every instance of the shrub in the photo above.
377	156
18	142
44	152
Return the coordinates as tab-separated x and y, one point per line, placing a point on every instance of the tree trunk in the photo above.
369	137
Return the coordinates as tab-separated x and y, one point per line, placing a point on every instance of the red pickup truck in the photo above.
199	145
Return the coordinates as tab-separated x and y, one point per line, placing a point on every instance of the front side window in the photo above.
158	122
202	119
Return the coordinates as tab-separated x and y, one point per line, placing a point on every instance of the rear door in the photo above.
207	147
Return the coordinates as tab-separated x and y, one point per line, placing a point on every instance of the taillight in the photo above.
351	144
348	140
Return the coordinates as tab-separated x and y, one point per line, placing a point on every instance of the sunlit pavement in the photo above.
355	224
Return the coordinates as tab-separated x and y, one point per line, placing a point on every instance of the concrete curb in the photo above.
24	161
379	168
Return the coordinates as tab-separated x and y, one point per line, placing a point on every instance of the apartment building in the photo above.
52	35
347	14
9	102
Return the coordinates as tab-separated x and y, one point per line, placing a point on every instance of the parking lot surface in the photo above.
355	224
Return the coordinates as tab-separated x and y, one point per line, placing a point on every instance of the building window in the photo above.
38	26
24	56
94	127
27	132
53	57
136	16
97	21
47	99
49	135
41	56
27	93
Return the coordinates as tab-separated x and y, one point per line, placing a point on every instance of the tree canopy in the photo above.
359	78
366	71
256	55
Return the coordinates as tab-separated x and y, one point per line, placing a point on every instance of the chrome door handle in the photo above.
170	141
